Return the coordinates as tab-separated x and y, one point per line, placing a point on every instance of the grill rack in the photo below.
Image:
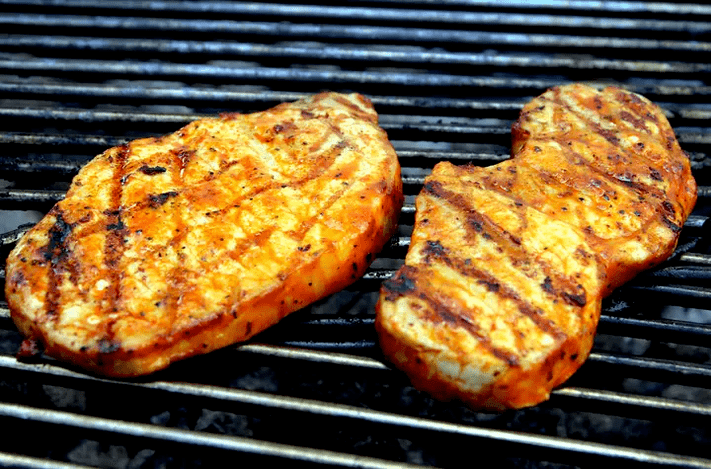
447	77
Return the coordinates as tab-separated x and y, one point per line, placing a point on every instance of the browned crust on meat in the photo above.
631	160
169	247
500	294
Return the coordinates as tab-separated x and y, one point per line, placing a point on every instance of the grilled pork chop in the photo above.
174	246
500	294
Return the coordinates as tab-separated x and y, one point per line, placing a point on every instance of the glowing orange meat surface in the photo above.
500	294
174	246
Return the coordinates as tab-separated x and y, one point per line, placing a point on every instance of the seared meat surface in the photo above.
173	246
500	294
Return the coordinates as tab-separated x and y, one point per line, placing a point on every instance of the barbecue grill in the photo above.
447	78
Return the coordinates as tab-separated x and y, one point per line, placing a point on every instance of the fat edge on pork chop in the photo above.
500	295
168	247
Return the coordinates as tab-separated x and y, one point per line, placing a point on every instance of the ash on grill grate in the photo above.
447	78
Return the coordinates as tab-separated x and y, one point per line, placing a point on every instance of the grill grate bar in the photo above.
31	196
645	402
333	410
688	291
313	356
90	115
251	73
656	329
12	237
452	125
697	258
493	133
697	221
684	373
174	46
192	438
152	93
659	326
26	462
247	98
507	108
165	69
360	14
702	272
607	6
372	33
436	156
227	7
53	139
180	92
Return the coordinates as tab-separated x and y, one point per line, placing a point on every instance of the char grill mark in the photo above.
151	170
438	310
600	122
181	251
177	280
637	123
57	255
356	110
449	311
183	156
327	159
476	221
115	245
557	286
610	188
494	284
322	165
576	212
156	200
576	299
636	161
401	283
671	224
178	283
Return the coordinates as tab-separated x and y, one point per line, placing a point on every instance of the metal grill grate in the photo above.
448	78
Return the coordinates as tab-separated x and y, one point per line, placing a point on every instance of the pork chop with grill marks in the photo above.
500	294
169	247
